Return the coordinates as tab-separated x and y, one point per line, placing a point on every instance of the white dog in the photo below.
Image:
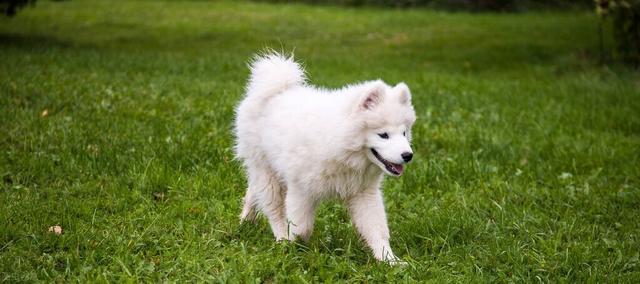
301	144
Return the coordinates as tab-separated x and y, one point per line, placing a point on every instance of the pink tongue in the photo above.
399	168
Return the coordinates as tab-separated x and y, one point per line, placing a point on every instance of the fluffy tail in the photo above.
273	73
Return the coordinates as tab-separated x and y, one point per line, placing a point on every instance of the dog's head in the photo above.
388	117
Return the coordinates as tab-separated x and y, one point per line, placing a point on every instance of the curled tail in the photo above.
273	73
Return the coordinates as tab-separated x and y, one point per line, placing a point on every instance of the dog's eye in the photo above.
384	135
404	133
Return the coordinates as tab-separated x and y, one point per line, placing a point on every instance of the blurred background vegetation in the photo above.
11	7
467	5
620	19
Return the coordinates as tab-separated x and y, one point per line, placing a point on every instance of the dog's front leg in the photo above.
301	209
367	213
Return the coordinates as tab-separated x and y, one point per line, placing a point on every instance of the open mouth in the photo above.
393	168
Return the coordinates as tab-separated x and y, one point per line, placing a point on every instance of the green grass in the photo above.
527	151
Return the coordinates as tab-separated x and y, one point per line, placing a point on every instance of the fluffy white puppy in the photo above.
301	144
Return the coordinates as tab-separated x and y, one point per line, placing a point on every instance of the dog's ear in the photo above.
373	96
403	90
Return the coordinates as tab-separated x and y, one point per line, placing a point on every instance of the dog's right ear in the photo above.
405	94
373	96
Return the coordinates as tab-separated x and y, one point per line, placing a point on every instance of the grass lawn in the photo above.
116	125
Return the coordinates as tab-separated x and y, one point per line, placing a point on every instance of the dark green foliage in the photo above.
11	7
626	32
623	17
470	5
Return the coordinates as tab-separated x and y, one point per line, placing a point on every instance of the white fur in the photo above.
301	145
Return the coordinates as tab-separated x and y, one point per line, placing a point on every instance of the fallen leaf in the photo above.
565	175
44	113
158	196
56	230
195	210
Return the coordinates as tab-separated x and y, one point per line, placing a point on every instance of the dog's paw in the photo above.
394	261
397	262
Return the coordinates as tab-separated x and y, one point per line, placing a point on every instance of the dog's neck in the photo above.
358	161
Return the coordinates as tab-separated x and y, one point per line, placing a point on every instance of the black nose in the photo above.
406	156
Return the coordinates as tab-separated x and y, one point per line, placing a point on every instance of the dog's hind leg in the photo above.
266	192
249	208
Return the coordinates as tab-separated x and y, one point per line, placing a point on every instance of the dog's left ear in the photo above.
403	90
373	96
